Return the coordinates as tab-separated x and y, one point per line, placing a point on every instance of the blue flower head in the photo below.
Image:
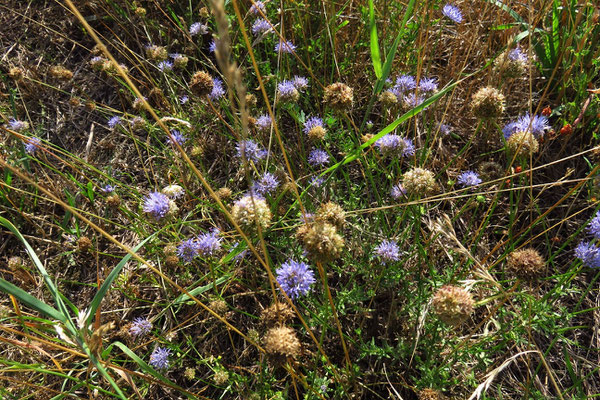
318	157
157	205
300	82
388	251
295	278
176	137
258	5
140	327
209	243
285	46
212	47
398	191
517	55
114	121
260	26
428	85
165	66
263	123
249	150
188	250
404	83
266	185
17	125
198	29
469	178
391	143
218	90
589	254
594	227
453	13
159	358
32	144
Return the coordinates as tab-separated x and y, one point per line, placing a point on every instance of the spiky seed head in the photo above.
526	264
522	143
487	103
16	73
220	377
317	133
190	373
251	100
332	213
60	72
388	99
171	261
15	263
219	306
509	66
419	181
113	201
181	62
430	394
339	96
490	170
140	11
250	211
204	12
453	304
84	244
201	84
277	313
320	240
90	105
157	53
224	193
282	342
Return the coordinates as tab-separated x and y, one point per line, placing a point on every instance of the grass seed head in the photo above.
487	103
453	304
16	73
526	264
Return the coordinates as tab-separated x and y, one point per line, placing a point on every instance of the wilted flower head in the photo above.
453	13
388	251
250	211
390	144
285	46
523	143
295	278
140	327
589	254
512	63
339	96
32	144
202	83
263	123
282	342
209	243
453	304
114	121
159	358
300	82
487	103
469	178
176	137
287	92
249	150
525	263
17	125
332	213
313	127
198	28
318	157
157	205
218	90
320	240
173	191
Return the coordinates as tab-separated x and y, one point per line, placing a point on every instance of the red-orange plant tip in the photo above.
518	169
566	130
547	111
508	181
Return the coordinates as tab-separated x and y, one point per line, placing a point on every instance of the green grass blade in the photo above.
110	279
199	290
375	55
31	301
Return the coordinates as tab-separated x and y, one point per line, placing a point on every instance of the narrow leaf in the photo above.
375	55
31	301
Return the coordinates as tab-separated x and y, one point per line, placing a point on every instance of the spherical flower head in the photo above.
251	212
412	100
267	184
594	227
17	125
589	254
156	53
209	243
287	92
165	66
419	181
249	150
388	98
108	188
537	125
339	96
212	47
523	143
263	123
173	191
159	358
320	240
114	121
300	82
198	28
453	13
394	144
318	157
517	55
179	60
313	127
331	213
258	5
525	264
317	181
176	137
32	144
398	192
281	342
427	85
469	178
285	46
157	205
260	26
388	251
217	91
405	83
201	83
509	129
487	103
295	278
511	63
445	129
277	313
188	250
140	327
453	304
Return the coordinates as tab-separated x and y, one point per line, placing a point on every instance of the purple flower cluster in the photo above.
391	143
398	191
258	5
312	122
517	55
198	28
286	89
469	178
594	227
453	13
285	46
295	278
260	26
32	144
300	82
409	92
140	327
318	157
588	253
249	150
218	90
263	123
17	125
206	245
159	358
388	251
157	205
266	185
176	137
165	66
114	121
537	125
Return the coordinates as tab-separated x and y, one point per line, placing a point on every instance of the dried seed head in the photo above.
523	143
190	373
170	250
453	304
430	394
171	261
511	63
320	240
84	244
140	11
526	264
282	342
220	377
419	181
388	99
251	100
250	211
277	313
331	213
16	73
339	96
487	103
219	306
113	201
60	72
181	62
224	193
490	170
157	53
201	84
15	263
90	105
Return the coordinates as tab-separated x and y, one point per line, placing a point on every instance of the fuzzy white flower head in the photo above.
173	191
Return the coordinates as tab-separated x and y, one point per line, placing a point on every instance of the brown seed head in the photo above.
60	72
430	394
453	304
317	132
201	83
250	211
339	96
276	314
157	53
224	193
16	73
113	201
487	103
320	240
510	68
419	181
282	341
523	143
388	99
331	213
251	100
526	264
84	244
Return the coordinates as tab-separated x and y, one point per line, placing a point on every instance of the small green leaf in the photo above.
375	55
